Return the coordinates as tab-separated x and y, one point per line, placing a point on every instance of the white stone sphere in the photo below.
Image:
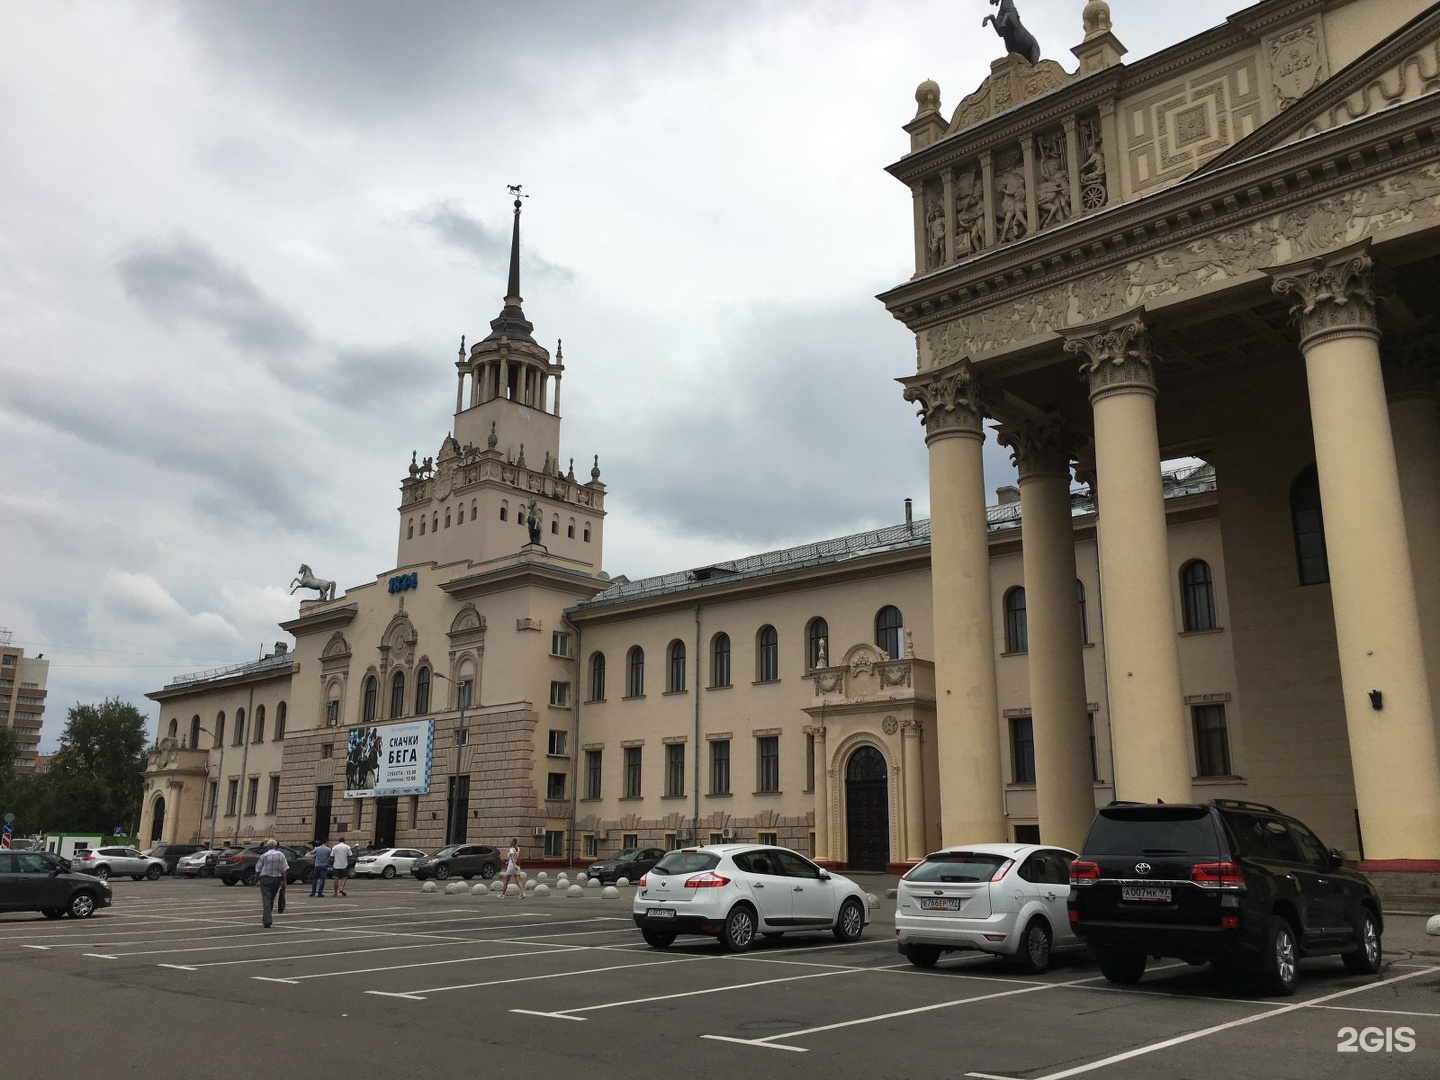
622	881
429	886
1433	926
562	882
456	887
581	877
575	890
593	883
542	877
479	889
610	892
512	889
541	889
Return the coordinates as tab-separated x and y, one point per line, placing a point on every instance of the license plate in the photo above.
939	903
1150	893
660	913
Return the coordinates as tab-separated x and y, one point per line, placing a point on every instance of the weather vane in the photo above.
514	189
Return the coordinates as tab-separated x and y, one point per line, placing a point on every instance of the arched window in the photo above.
474	509
372	691
174	727
597	677
195	732
817	644
1084	618
219	728
447	517
504	513
554	526
888	622
676	682
1017	635
397	693
435	522
1307	520
587	534
767	655
258	724
280	721
410	530
422	526
1197	594
570	531
720	660
635	686
239	726
422	691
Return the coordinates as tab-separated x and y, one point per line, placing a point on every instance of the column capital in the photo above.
1332	295
910	729
1040	447
1409	363
953	400
817	730
1118	356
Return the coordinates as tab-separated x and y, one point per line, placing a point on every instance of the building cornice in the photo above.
515	575
223	682
311	622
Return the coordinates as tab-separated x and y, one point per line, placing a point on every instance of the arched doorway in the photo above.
157	823
867	811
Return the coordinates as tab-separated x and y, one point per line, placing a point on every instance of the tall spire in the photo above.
511	322
512	291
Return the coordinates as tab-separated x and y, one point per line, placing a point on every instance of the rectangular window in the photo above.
252	796
809	762
720	767
555	785
560	693
1022	749
588	846
554	844
556	746
592	773
464	693
462	736
213	802
559	644
632	772
767	774
773	839
674	769
1212	741
272	800
716	838
1094	751
629	840
327	749
232	797
332	713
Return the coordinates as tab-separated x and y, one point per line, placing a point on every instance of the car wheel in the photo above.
1282	964
53	913
850	923
1033	956
103	873
923	956
82	906
442	871
1123	969
153	874
738	933
1366	959
488	871
208	871
249	877
658	939
307	875
228	880
388	873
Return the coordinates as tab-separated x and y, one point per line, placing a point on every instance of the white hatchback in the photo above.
1005	899
387	862
735	891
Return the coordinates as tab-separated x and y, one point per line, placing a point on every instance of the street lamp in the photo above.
219	775
462	698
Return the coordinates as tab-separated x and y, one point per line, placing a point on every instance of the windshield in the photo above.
633	853
1153	830
957	866
446	851
686	862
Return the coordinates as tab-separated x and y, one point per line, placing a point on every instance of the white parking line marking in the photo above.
1215	1029
433	963
100	956
1377	1012
757	1042
421	995
178	967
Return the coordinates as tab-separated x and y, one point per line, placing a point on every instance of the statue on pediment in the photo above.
1018	40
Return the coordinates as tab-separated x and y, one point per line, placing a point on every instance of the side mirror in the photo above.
1337	858
824	874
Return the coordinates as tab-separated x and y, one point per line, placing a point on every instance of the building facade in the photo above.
22	697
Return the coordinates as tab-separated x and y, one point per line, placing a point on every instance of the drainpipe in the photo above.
695	770
574	744
244	759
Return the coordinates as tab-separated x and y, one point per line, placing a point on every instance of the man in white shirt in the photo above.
340	866
270	868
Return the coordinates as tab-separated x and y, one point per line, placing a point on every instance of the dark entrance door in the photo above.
323	797
386	810
867	811
157	826
457	809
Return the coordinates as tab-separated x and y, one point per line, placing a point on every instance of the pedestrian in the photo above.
322	866
271	868
340	866
512	870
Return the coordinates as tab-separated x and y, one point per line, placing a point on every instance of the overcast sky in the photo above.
239	243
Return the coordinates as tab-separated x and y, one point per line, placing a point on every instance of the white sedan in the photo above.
1005	899
387	862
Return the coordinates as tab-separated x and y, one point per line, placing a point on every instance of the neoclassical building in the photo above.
1226	250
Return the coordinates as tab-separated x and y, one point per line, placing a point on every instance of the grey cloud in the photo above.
181	280
401	381
489	248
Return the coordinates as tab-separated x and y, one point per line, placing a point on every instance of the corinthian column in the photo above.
1063	783
914	789
1372	587
967	711
1142	658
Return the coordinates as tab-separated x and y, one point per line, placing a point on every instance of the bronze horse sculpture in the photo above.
1007	24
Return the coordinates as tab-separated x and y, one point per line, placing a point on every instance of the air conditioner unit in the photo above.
727	833
601	834
682	835
539	830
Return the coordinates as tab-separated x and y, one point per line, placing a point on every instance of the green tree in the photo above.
97	778
9	753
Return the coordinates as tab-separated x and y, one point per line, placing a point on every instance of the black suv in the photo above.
173	853
1237	884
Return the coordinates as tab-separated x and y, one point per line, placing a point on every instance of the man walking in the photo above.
322	865
271	868
340	866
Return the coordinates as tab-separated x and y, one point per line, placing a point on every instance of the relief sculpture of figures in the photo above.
1010	219
307	580
969	213
1052	190
1007	24
934	234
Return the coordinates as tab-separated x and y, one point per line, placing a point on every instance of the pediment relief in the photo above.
336	648
1010	82
865	672
468	623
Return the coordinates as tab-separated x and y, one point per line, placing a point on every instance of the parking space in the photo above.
562	982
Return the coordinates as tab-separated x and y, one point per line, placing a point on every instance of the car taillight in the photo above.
1084	872
88	857
1229	922
1218	875
707	880
640	884
1001	869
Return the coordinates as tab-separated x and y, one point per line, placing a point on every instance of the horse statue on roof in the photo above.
1007	24
307	580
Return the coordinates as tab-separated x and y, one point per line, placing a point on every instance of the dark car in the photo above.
1236	884
40	881
171	854
631	864
462	860
238	864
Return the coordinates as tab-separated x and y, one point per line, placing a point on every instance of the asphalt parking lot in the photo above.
179	979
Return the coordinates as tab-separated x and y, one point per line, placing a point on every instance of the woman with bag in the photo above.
512	870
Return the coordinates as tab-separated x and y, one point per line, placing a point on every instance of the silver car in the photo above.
107	862
197	864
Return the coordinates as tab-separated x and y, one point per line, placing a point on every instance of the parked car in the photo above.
1005	899
465	860
238	864
40	881
630	864
106	862
171	854
198	863
734	891
386	862
1237	884
302	867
